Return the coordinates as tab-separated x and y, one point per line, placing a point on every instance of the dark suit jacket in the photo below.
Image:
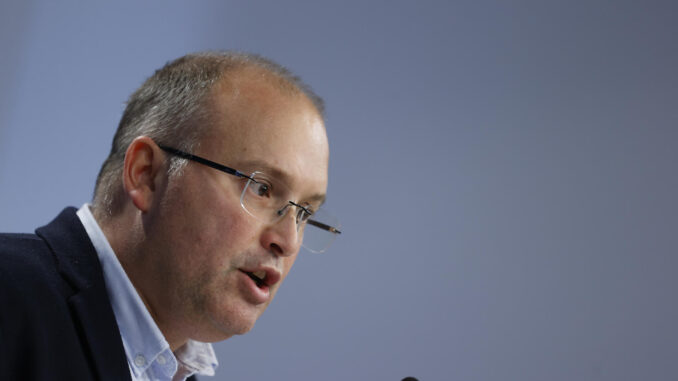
56	321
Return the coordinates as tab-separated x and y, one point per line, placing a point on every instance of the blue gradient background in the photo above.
505	172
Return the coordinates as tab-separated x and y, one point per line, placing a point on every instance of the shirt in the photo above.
148	353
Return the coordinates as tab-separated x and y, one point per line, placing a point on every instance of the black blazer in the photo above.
56	321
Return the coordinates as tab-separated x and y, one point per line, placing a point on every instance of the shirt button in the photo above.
140	360
161	360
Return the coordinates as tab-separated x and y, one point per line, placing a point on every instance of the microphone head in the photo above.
409	379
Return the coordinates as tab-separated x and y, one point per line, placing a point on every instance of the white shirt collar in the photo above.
142	339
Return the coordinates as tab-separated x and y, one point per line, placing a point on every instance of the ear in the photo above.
144	164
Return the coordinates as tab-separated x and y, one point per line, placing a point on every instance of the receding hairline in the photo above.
246	76
243	75
237	67
251	84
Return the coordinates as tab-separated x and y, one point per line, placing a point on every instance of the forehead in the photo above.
256	125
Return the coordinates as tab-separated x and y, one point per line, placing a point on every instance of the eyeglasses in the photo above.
267	199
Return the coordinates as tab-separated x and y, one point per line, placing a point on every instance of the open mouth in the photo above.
258	277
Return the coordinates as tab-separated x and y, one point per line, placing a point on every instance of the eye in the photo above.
304	214
260	189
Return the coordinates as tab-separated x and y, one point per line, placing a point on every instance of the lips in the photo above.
257	283
258	278
263	277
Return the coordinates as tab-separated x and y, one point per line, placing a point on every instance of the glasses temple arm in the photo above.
206	162
323	226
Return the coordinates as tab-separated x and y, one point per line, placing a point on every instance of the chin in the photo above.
231	325
242	327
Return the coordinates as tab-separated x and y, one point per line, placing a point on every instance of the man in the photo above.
215	179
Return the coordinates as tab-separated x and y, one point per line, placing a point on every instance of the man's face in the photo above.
207	245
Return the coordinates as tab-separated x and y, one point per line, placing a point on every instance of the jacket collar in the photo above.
79	265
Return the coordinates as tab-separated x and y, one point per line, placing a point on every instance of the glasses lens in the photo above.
264	198
320	231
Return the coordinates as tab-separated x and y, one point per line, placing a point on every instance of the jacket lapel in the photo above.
79	265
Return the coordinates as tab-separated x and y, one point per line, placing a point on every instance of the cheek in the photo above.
228	230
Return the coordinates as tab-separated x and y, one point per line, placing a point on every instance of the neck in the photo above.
125	234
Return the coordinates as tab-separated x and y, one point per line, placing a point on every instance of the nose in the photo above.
282	237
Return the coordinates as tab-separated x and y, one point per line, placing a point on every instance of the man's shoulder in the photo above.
17	241
26	254
9	240
38	328
24	251
27	265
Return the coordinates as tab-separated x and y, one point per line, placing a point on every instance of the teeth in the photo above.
260	274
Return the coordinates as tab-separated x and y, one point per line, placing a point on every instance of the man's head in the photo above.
173	106
182	230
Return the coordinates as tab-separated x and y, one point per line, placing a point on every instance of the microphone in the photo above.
409	379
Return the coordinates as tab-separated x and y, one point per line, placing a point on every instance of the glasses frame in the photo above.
236	173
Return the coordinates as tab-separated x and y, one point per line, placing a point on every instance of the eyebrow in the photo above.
262	166
320	198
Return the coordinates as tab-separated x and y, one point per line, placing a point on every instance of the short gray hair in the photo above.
171	107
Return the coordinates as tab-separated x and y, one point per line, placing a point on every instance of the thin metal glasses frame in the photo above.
235	172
